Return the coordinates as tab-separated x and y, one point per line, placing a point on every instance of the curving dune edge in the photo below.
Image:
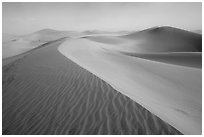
171	92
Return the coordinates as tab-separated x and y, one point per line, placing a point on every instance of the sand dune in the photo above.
162	39
46	93
167	39
136	82
15	45
9	60
172	92
131	45
19	46
47	35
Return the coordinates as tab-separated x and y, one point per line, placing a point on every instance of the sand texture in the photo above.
168	89
46	93
95	82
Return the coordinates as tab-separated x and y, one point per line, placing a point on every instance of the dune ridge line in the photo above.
171	112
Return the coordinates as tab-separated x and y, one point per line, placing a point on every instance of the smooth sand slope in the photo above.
46	93
172	92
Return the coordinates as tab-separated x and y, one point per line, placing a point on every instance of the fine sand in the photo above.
172	92
46	93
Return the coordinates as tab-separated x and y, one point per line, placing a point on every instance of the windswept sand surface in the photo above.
46	93
172	92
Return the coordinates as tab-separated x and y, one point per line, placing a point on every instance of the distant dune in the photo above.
46	93
46	35
18	46
157	39
13	46
162	44
167	39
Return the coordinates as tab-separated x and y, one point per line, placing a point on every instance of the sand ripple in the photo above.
45	93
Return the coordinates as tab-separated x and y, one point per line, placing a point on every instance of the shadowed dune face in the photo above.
163	39
45	93
168	39
189	59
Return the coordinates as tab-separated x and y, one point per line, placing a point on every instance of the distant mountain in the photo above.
166	39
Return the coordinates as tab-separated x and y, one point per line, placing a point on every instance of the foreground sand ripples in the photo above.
45	93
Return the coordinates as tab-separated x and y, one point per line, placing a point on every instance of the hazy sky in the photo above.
22	18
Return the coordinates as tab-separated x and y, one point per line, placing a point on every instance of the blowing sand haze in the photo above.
108	71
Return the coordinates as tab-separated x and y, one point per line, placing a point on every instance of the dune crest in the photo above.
171	92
